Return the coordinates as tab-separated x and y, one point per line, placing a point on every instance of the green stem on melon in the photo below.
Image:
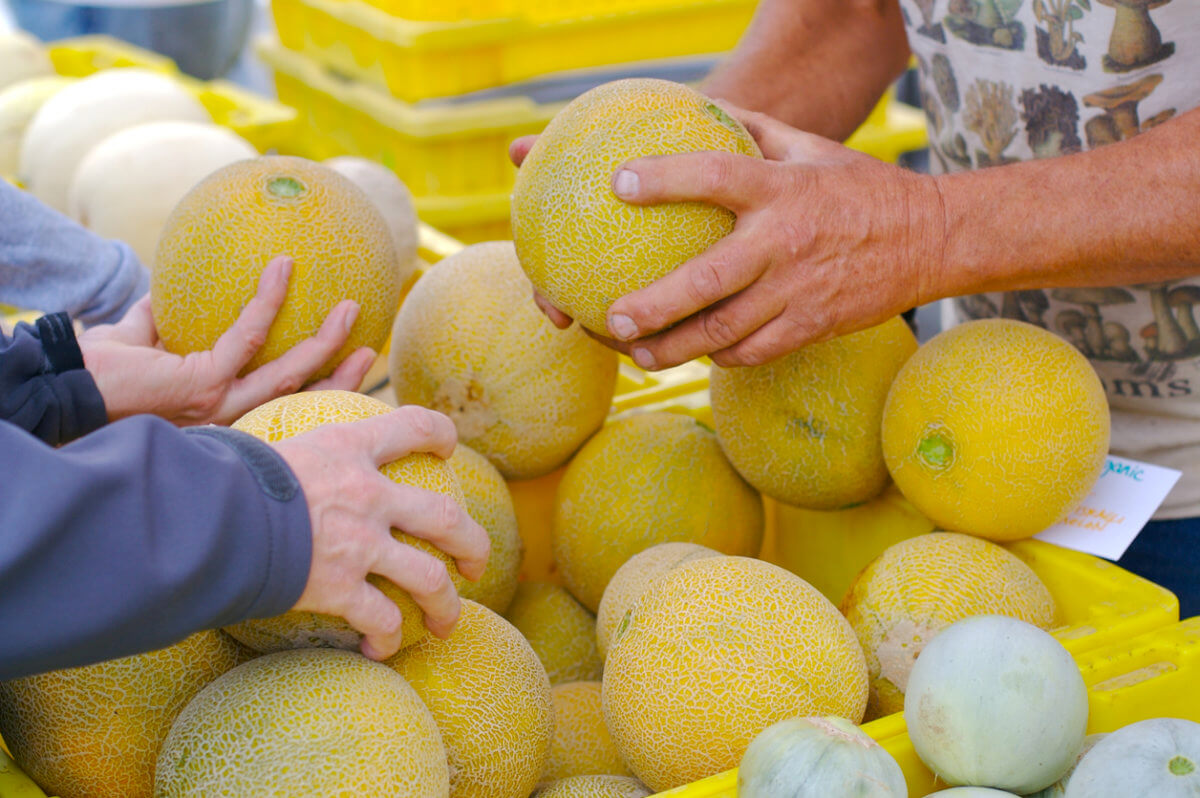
937	451
285	187
722	117
1181	766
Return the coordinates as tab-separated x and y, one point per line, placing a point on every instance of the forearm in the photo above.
138	535
52	264
818	65
1119	215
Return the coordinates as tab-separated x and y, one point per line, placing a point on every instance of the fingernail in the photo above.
351	316
644	359
622	326
286	273
626	184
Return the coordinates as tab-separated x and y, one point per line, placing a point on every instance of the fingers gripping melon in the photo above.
470	342
582	247
129	183
304	723
223	233
79	117
292	415
721	649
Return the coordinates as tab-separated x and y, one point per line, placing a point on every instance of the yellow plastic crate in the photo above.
266	124
417	60
533	10
452	150
1154	675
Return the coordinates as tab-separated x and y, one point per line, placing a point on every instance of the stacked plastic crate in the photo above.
436	89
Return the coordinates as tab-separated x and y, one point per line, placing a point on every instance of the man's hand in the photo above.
136	375
827	241
354	507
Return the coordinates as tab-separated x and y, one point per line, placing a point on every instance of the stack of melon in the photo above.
661	646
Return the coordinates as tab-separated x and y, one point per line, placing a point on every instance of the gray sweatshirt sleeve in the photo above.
139	534
50	263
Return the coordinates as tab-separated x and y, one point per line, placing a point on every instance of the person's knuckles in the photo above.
430	577
718	328
715	173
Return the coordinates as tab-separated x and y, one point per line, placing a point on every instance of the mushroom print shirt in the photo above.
1010	80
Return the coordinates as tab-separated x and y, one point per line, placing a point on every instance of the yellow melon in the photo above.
647	479
292	415
996	428
804	429
721	649
490	504
641	572
829	549
470	342
560	630
582	745
580	245
490	697
222	234
394	201
309	722
95	731
594	787
922	585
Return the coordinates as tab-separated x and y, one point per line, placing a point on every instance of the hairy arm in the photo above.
818	65
1122	214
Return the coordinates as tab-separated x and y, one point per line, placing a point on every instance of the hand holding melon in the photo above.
135	375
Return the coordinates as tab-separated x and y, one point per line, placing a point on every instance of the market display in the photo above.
670	652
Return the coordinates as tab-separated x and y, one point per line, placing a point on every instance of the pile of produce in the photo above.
666	651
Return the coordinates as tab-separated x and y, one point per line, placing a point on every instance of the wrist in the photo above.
928	223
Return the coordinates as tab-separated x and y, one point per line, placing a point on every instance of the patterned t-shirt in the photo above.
1011	80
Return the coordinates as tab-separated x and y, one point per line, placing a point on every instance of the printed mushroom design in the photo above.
1136	40
1171	341
1091	300
1182	300
1035	305
1071	324
1150	339
1117	338
1120	118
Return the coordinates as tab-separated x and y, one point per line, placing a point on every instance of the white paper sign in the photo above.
1122	502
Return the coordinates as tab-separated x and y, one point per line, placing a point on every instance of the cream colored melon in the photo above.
292	415
647	479
582	745
488	502
225	231
129	183
641	572
490	697
582	246
79	117
19	103
95	731
996	428
918	587
470	342
22	57
392	198
304	723
561	631
721	649
804	429
594	787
